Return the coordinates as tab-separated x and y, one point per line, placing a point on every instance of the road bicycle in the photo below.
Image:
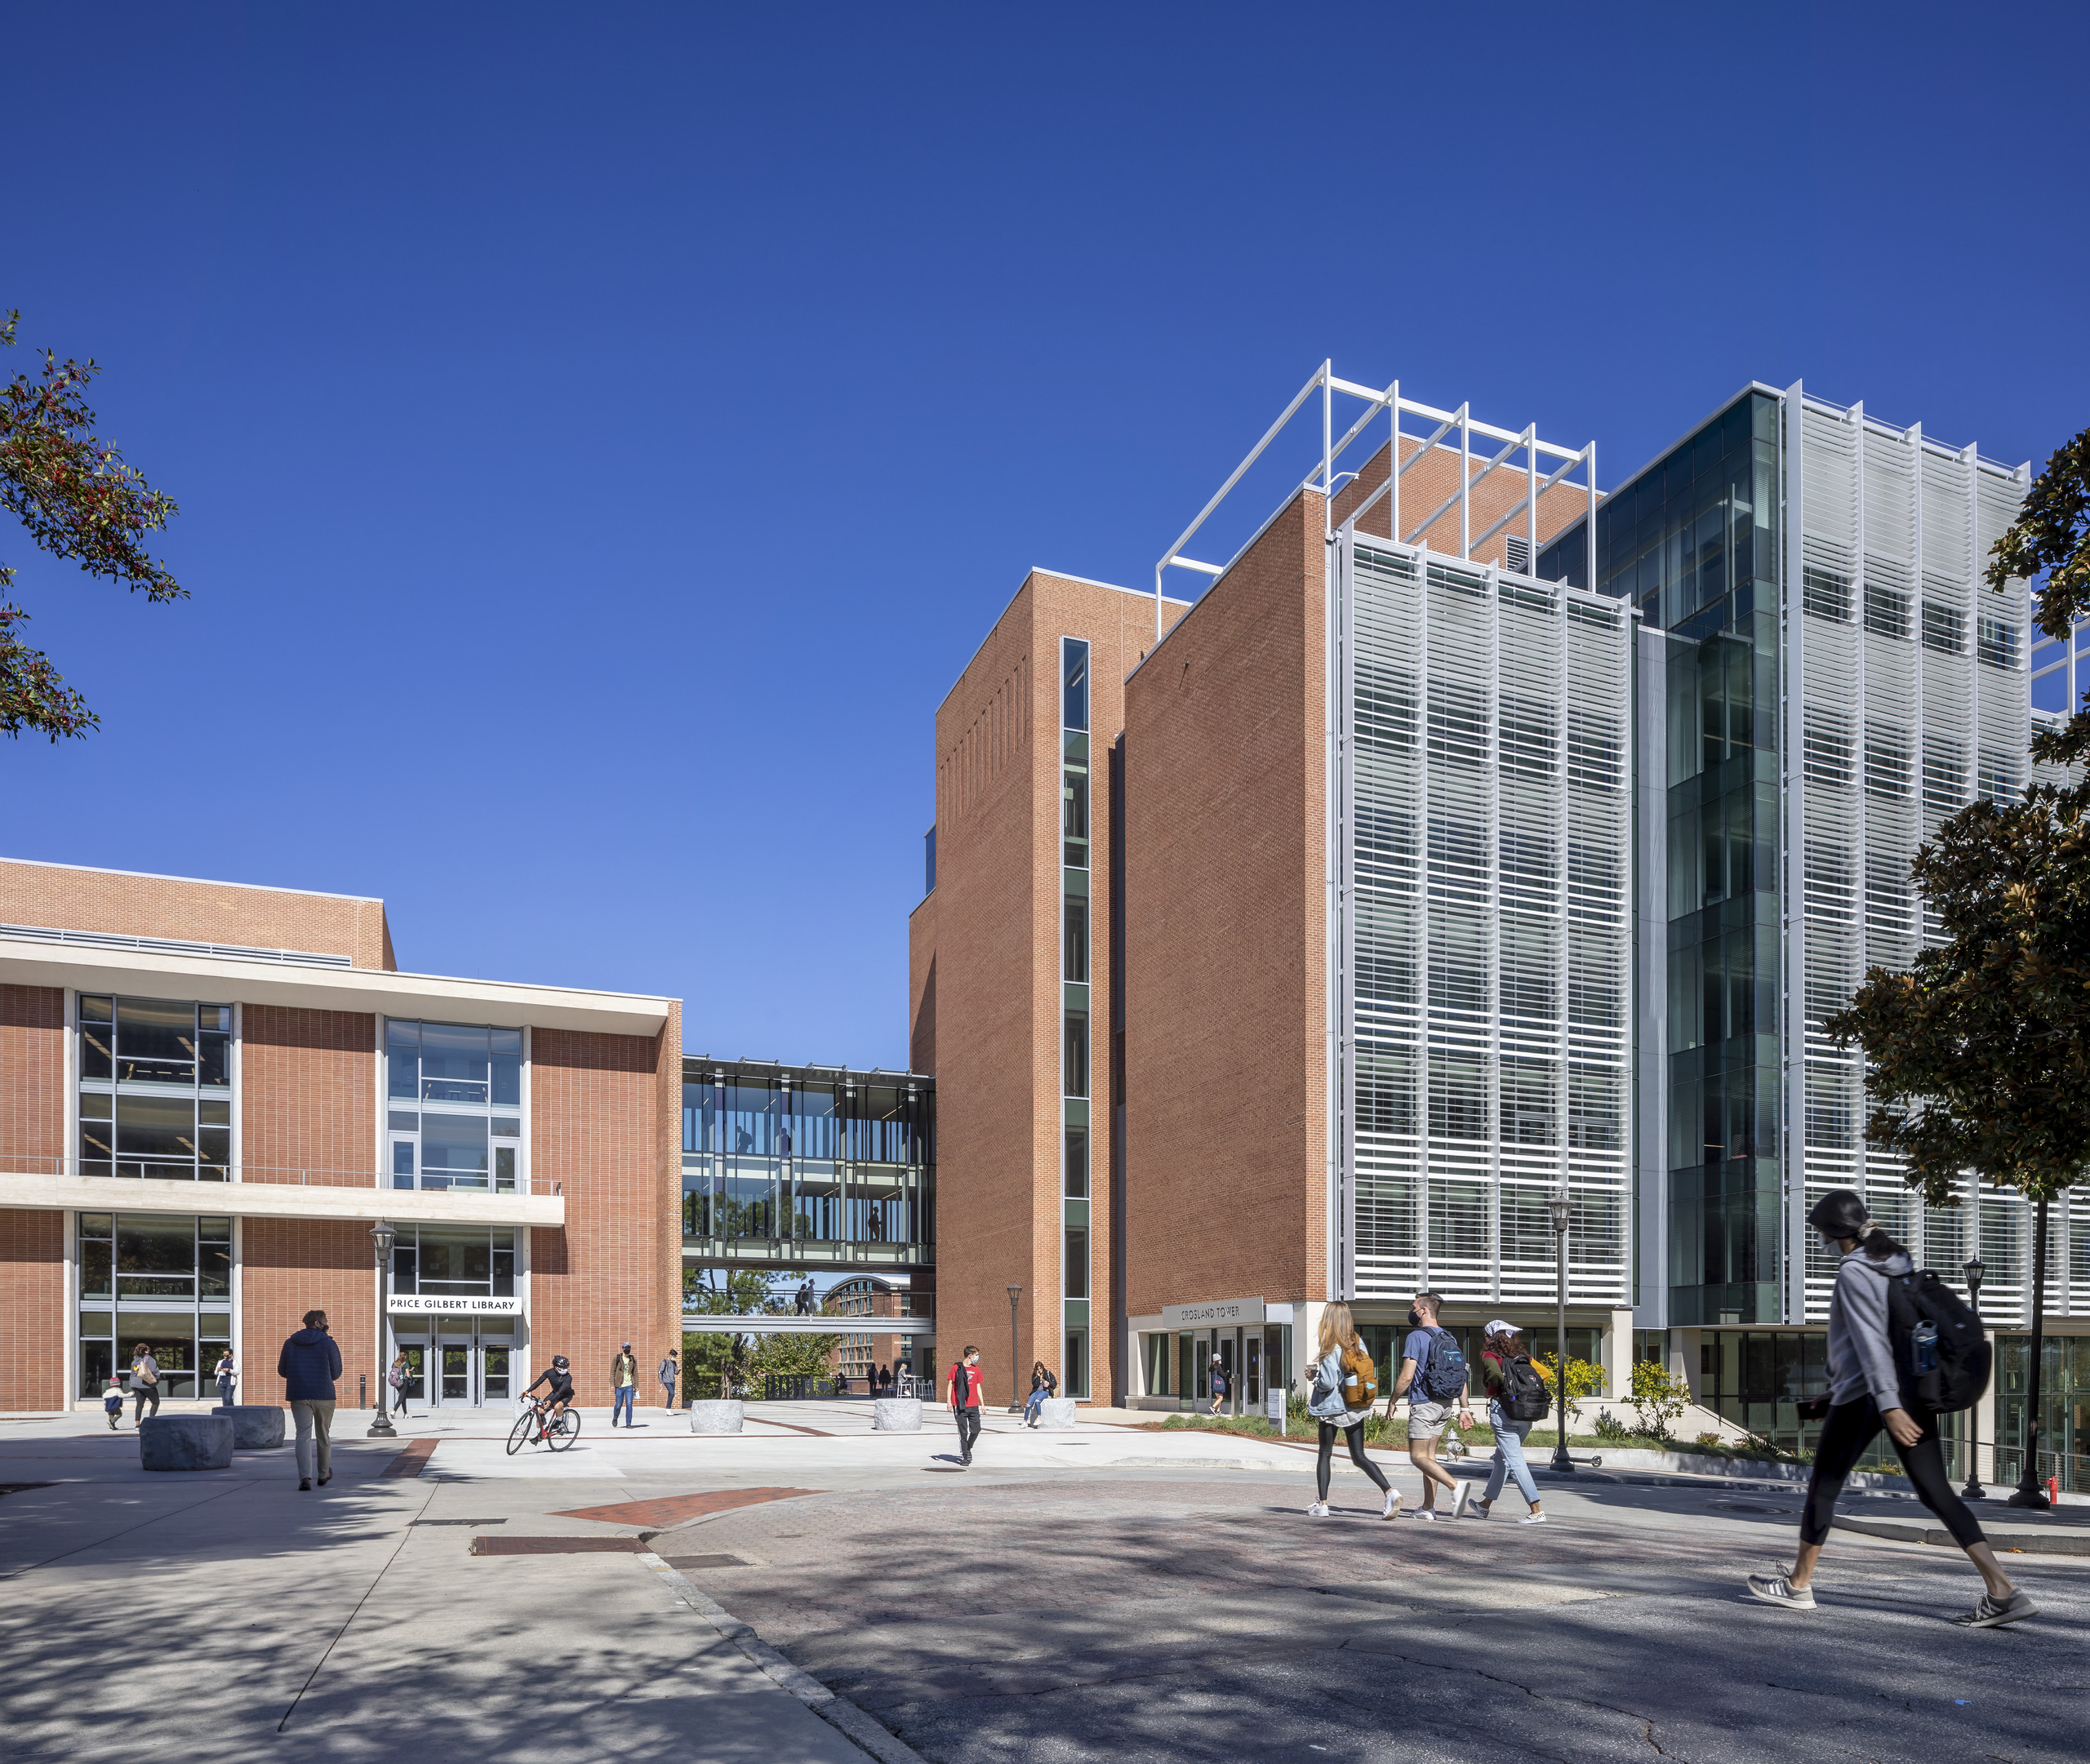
538	1426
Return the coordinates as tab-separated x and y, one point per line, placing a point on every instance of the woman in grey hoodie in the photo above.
1865	1395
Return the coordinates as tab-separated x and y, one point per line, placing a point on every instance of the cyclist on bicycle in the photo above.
559	1376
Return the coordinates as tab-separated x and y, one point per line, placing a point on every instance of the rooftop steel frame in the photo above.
1395	407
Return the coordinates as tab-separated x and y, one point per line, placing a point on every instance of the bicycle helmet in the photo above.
560	1362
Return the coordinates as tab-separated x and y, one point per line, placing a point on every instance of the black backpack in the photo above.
1525	1396
1940	1351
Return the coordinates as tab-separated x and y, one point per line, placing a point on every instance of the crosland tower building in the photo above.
1477	837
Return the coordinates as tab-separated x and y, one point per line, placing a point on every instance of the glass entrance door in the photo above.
457	1363
457	1369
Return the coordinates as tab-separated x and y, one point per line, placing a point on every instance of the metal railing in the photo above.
292	1176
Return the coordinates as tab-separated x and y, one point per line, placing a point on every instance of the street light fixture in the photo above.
1558	1207
1016	1395
382	1237
1975	1271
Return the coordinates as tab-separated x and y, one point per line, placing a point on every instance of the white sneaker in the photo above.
1319	1510
1775	1589
1459	1497
1392	1510
1426	1513
1532	1518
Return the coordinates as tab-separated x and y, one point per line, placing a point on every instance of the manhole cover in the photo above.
704	1562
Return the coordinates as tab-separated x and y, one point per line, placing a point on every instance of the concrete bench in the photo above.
256	1426
186	1443
716	1417
1056	1412
896	1415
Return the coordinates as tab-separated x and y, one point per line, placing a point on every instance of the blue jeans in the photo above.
627	1396
1509	1436
1035	1402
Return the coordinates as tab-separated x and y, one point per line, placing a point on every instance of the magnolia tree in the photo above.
1978	1056
79	501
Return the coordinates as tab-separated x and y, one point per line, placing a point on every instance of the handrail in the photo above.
289	1175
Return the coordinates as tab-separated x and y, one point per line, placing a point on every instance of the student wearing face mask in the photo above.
1865	1396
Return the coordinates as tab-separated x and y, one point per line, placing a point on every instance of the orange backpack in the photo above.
1360	1379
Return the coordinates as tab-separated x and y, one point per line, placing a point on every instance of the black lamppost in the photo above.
1975	1271
2029	1493
381	1237
1015	1395
1558	1207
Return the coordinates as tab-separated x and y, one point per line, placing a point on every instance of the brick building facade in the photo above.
209	1094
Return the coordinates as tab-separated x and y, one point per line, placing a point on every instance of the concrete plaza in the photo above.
1110	1591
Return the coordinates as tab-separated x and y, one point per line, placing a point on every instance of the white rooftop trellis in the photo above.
1512	443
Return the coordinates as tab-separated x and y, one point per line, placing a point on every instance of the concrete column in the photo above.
1984	1418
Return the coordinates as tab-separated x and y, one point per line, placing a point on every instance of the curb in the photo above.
833	1707
2030	1542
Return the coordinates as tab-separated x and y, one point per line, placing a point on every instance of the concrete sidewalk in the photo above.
226	1615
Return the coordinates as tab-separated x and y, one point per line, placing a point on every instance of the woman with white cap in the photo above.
1513	1386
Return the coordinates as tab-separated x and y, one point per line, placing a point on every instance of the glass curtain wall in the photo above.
1693	543
1076	1042
164	1280
155	1090
454	1098
806	1163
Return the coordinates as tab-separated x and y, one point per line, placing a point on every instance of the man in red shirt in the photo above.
962	1392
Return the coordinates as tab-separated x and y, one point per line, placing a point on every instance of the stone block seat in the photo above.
256	1426
708	1417
896	1415
1056	1412
186	1443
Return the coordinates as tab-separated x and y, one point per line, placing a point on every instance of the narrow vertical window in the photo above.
1074	1056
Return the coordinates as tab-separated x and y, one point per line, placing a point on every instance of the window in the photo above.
1998	644
454	1261
155	1092
1827	594
1944	629
454	1106
164	1280
1887	768
1886	610
1074	1048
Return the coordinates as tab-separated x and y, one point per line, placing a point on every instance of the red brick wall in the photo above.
308	1096
922	988
291	1266
32	1242
1225	981
64	898
605	1124
32	1308
993	948
32	1078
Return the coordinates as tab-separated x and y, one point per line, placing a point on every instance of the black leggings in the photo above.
1847	1432
1355	1433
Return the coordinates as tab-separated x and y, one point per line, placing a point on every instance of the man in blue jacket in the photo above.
309	1363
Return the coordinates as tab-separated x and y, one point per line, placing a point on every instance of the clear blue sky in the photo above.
603	434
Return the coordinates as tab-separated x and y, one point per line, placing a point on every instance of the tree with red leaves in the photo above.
78	499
